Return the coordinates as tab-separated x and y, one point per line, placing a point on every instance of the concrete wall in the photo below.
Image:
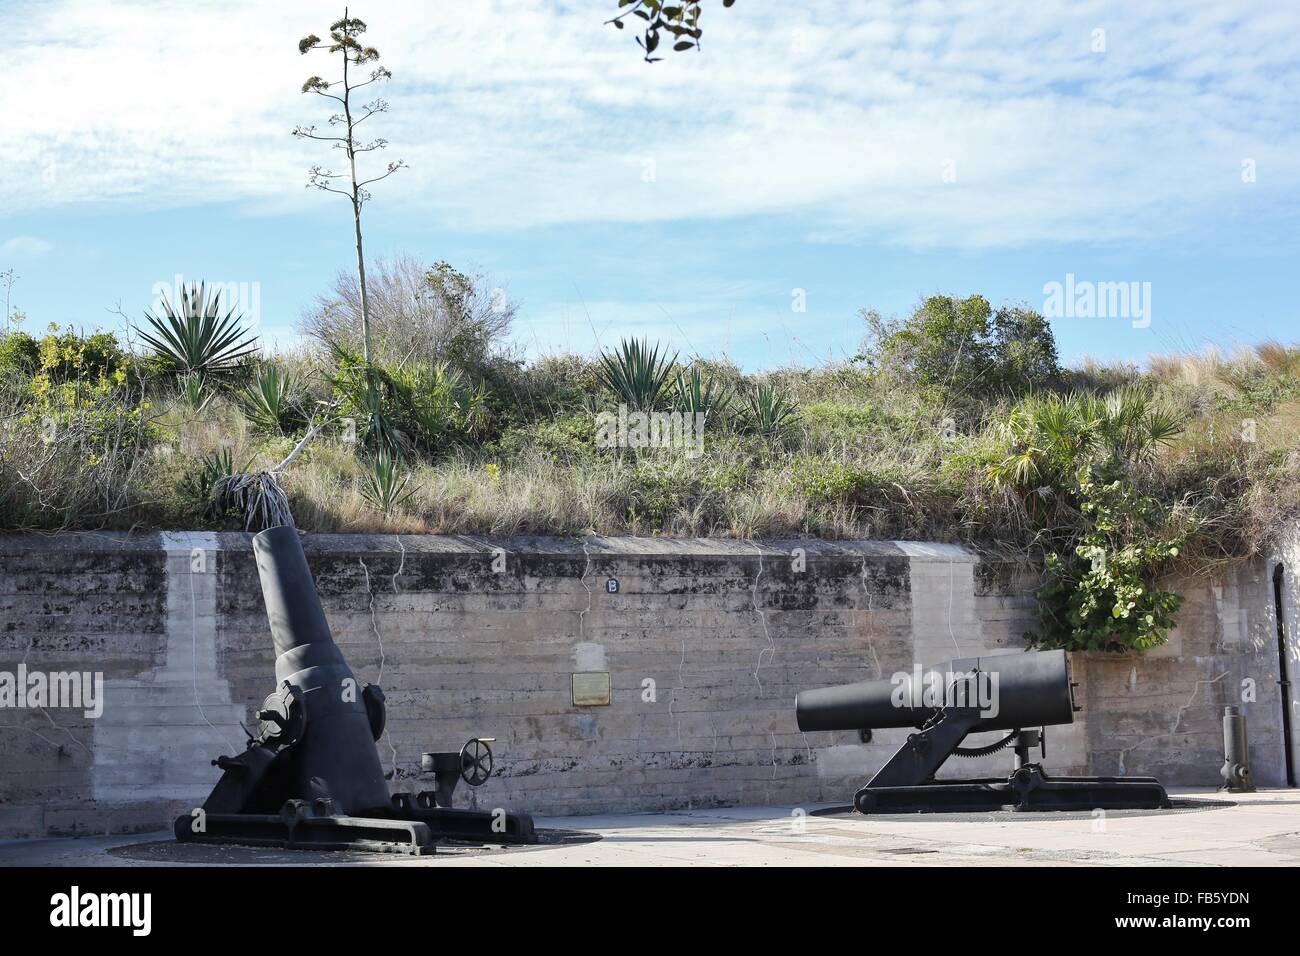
706	642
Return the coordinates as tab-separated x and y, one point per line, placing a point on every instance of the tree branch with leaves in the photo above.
681	19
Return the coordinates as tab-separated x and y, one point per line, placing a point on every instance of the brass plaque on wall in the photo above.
591	690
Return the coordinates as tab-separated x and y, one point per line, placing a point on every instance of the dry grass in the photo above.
911	480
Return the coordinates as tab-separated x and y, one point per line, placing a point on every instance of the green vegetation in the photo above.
955	423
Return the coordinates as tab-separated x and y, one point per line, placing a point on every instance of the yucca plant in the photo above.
385	485
193	391
695	394
770	410
257	496
211	469
636	374
195	337
267	398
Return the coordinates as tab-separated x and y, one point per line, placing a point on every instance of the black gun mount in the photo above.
1018	693
311	777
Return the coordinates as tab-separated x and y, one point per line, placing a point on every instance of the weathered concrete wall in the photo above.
1160	712
706	642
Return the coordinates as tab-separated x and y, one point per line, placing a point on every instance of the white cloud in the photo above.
25	247
514	114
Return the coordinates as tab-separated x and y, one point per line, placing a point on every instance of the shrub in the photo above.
565	438
1104	596
19	355
428	314
855	485
965	350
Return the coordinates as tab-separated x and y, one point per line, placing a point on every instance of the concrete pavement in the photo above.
1261	829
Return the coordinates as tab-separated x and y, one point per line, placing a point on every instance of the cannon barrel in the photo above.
337	757
1010	690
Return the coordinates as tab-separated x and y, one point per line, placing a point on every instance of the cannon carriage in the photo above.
311	777
1019	694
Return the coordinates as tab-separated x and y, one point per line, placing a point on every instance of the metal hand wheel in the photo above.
476	761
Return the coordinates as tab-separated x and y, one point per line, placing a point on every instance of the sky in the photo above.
746	199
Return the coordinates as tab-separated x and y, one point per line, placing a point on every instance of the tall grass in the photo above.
863	458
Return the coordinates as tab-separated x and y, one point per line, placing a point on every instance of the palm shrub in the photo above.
1047	437
637	374
1076	462
434	407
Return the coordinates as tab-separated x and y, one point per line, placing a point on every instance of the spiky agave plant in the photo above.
386	482
636	373
193	392
770	410
195	336
266	399
696	395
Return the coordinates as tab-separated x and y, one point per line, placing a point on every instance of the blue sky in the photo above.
865	158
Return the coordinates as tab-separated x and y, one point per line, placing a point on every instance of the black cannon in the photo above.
311	776
1021	694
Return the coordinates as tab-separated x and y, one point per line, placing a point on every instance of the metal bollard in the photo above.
1236	753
